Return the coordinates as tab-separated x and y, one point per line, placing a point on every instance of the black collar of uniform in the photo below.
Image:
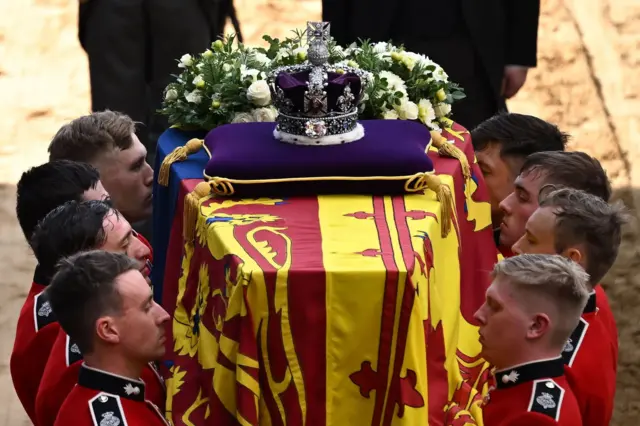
543	369
40	277
103	381
591	303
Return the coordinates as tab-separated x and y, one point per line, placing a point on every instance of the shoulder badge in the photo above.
546	398
573	344
73	353
106	410
42	313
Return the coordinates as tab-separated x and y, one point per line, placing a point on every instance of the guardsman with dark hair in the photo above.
67	230
105	305
572	169
587	230
532	306
40	190
502	143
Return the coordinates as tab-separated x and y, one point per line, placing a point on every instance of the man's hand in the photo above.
513	80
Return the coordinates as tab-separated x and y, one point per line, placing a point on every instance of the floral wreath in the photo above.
227	83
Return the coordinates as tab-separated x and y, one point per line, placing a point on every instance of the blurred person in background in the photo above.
133	47
487	47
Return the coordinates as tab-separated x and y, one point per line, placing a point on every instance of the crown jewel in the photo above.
318	102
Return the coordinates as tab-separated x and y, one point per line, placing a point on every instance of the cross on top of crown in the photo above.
318	31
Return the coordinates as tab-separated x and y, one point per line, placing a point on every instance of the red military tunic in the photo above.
606	315
590	358
35	333
535	393
105	399
61	375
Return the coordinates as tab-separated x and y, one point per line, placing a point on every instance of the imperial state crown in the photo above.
317	102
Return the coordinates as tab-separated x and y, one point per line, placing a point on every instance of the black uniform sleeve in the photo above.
522	17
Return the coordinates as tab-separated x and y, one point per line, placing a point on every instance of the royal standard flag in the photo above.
334	310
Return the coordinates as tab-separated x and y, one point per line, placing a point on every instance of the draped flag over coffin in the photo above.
334	310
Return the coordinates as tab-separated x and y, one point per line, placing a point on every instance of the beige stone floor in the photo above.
587	81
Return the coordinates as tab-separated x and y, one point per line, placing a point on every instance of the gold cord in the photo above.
447	149
177	155
413	183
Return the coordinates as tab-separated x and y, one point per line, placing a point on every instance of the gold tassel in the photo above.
192	209
179	154
443	195
447	149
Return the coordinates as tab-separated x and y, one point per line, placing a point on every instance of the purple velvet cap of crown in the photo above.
248	151
294	86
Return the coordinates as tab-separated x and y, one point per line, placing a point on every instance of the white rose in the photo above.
194	97
262	115
242	117
226	67
407	110
185	61
442	109
171	95
390	115
258	93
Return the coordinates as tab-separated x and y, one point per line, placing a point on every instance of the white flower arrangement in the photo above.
227	83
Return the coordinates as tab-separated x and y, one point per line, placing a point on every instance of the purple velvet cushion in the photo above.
248	151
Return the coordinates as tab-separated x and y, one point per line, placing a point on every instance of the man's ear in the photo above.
539	326
574	254
107	330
